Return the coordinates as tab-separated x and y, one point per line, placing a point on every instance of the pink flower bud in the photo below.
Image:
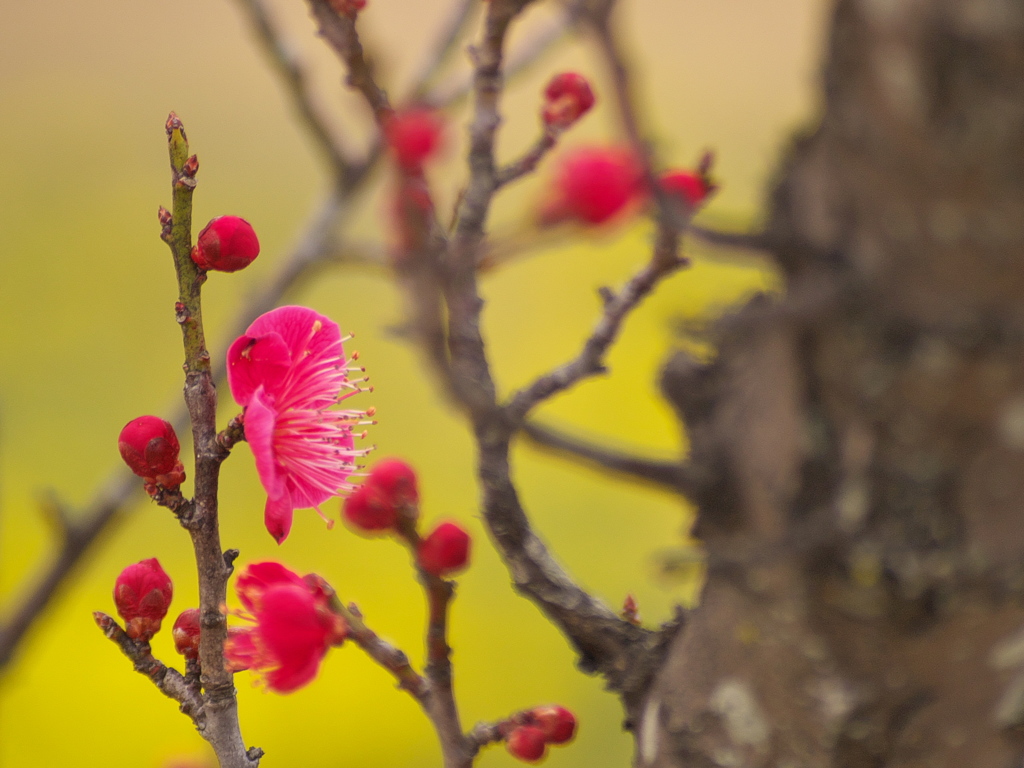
226	244
413	136
445	550
691	188
566	99
186	633
142	594
395	481
527	743
150	448
557	723
592	185
348	8
367	512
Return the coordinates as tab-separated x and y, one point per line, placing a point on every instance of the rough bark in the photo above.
860	440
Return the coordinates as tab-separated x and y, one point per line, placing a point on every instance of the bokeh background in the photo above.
88	342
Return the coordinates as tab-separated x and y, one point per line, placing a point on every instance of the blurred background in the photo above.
89	342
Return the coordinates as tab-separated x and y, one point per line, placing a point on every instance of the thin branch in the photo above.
393	659
168	681
339	31
671	475
528	162
290	67
520	60
605	642
220	705
671	215
431	692
590	360
461	15
753	241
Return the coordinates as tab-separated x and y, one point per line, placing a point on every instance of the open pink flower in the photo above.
287	371
293	627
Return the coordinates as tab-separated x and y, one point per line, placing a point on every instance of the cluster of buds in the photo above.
150	448
142	594
529	733
413	136
597	185
226	244
388	503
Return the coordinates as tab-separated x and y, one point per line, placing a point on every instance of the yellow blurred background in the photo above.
89	342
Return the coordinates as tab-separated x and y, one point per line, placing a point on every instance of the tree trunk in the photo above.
860	440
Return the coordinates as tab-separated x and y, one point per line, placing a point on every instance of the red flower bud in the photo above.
142	594
226	244
186	633
592	185
395	481
348	7
691	188
557	723
367	512
150	448
527	743
413	135
445	550
566	99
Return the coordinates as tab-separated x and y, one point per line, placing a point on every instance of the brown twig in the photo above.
527	163
520	60
590	360
671	475
170	682
339	31
290	67
605	642
753	241
432	692
393	659
461	15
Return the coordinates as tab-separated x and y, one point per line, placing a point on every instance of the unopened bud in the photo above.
367	512
413	136
226	244
688	187
566	99
593	185
527	743
395	481
348	8
445	550
186	633
142	594
150	448
557	723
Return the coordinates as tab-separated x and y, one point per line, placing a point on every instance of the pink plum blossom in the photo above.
293	626
287	371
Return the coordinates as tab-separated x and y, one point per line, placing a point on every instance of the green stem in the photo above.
220	704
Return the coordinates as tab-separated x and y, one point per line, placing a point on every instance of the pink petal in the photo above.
260	422
277	516
255	361
256	578
298	327
240	651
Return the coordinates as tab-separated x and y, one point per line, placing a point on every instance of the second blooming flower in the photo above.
287	371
